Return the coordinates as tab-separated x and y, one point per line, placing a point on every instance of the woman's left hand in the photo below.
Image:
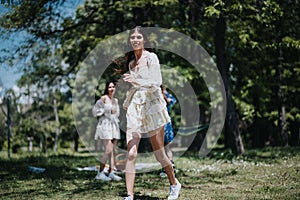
128	78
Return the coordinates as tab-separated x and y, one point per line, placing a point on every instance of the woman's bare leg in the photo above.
132	148
108	149
113	156
157	142
169	153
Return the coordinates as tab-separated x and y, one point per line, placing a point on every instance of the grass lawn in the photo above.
271	173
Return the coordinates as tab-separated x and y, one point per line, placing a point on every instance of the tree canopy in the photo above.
255	45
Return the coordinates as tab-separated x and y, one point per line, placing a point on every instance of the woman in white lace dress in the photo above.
107	111
146	110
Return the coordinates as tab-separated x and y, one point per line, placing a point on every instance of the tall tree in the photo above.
253	43
232	134
219	10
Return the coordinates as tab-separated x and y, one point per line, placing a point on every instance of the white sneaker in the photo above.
174	191
129	197
102	176
114	176
163	174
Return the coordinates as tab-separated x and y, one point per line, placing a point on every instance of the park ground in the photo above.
269	173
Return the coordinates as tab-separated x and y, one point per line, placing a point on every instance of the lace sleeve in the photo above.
154	77
98	108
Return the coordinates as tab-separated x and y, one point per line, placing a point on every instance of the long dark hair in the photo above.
107	84
129	56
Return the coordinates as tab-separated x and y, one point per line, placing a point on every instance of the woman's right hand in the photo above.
113	111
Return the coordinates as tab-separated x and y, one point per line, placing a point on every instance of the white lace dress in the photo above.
108	123
145	105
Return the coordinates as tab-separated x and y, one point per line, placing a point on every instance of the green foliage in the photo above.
270	173
262	55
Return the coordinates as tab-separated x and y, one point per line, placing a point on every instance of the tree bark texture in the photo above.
232	134
57	125
281	107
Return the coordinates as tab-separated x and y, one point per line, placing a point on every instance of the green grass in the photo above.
271	173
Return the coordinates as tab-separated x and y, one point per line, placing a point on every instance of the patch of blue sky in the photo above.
9	75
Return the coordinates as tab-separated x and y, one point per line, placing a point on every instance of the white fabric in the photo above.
146	107
108	123
147	72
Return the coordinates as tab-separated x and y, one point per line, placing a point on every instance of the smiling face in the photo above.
137	40
111	88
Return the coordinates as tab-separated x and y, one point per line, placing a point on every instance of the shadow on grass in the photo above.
57	167
139	196
62	179
267	154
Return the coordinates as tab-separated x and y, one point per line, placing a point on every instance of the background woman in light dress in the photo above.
107	111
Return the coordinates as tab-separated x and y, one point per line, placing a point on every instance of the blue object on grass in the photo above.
36	169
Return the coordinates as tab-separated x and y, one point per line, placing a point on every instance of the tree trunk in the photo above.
57	124
232	134
76	140
30	144
281	107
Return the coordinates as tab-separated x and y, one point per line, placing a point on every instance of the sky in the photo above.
9	75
